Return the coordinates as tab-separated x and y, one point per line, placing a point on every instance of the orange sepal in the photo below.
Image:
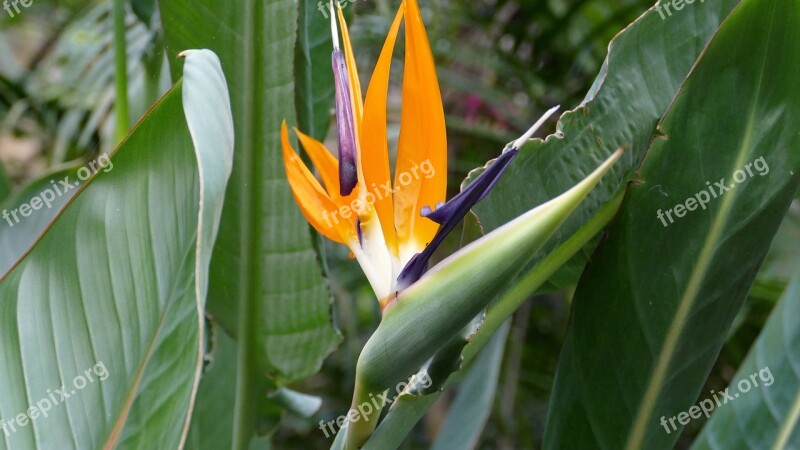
315	204
325	163
423	138
375	162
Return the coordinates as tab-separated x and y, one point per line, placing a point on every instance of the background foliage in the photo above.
500	63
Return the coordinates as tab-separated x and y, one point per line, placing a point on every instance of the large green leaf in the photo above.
768	403
107	306
266	286
646	65
656	302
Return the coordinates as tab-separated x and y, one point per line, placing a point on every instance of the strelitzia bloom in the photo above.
392	227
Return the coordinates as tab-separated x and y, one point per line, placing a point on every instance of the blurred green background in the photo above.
500	64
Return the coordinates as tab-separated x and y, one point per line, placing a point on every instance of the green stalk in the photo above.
359	431
120	72
246	324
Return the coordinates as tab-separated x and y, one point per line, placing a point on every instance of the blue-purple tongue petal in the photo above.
348	173
450	215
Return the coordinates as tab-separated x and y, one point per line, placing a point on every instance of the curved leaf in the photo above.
107	306
646	64
677	283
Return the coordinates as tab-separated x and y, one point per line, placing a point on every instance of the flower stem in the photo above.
364	413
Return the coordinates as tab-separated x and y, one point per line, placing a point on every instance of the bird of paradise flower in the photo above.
392	234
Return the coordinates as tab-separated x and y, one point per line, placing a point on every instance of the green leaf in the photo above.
772	406
20	229
645	67
216	398
108	304
266	286
473	404
645	351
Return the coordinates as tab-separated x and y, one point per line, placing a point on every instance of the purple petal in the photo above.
348	174
451	213
459	205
